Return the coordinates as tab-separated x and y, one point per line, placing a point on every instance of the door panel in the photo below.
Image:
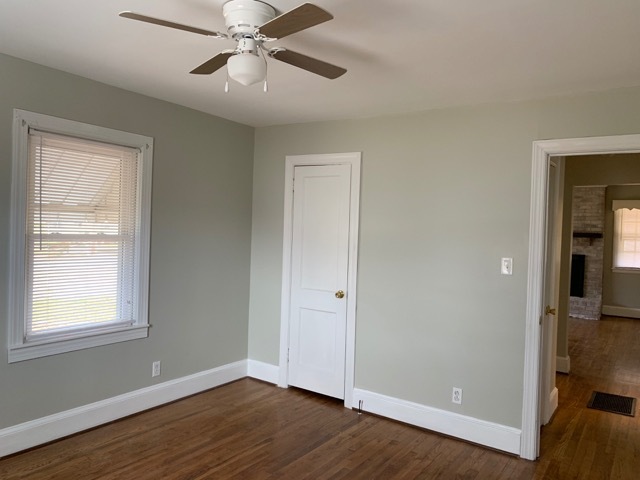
319	266
316	340
320	223
548	391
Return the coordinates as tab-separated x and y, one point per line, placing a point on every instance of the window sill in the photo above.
634	271
28	351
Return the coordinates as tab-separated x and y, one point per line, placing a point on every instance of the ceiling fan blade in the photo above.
167	23
300	18
309	64
213	64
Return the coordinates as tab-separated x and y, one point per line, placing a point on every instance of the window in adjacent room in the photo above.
80	236
626	232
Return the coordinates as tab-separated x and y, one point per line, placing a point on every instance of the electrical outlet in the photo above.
456	396
155	369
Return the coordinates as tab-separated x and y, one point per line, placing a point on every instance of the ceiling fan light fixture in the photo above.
247	68
252	24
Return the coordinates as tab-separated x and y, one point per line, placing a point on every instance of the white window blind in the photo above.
80	235
626	230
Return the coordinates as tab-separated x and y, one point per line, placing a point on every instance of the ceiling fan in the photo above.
253	24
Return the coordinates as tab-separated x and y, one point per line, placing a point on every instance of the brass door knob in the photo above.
548	310
339	294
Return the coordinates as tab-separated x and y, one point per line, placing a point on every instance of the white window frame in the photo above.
617	207
19	348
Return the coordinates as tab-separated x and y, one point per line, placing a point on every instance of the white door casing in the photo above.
317	337
542	151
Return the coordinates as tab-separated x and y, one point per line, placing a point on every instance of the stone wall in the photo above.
588	217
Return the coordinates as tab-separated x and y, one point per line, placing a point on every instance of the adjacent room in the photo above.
362	239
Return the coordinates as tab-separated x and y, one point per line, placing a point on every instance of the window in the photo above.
80	236
626	232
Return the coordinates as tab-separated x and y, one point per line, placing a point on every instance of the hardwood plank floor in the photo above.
252	430
585	443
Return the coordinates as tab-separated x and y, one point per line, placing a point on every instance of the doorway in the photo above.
542	153
319	273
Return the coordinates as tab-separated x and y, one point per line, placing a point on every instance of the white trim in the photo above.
20	349
563	364
352	279
28	351
18	212
628	204
36	432
531	383
263	371
285	295
625	270
354	159
493	435
621	311
542	151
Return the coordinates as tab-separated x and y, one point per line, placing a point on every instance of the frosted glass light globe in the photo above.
246	68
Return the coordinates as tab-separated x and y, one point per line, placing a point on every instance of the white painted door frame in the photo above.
542	151
354	160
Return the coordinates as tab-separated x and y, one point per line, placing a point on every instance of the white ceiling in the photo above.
401	55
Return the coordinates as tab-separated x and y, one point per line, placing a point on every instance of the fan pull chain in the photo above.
265	88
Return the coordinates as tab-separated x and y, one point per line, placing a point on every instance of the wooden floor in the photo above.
252	430
585	443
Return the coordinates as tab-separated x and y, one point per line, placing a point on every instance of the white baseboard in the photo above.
263	371
563	364
467	428
43	430
621	311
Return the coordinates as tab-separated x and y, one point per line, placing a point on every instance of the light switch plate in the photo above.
506	266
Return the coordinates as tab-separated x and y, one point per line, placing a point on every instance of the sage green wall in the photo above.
445	194
619	289
200	244
586	170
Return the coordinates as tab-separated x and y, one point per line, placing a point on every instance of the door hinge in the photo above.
287	355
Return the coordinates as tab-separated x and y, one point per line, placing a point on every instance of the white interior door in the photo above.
548	391
319	269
